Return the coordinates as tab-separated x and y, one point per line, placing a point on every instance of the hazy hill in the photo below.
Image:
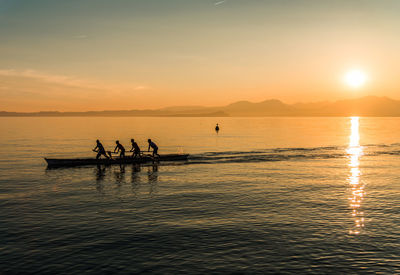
122	113
265	108
183	108
365	106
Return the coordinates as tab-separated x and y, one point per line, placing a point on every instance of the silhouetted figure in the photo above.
135	149
100	150
154	147
119	148
217	128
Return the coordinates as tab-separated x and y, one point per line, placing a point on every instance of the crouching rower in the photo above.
154	147
135	149
119	148
100	150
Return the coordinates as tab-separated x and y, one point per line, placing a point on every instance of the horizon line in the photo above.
199	106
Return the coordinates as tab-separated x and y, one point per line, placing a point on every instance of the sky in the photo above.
80	55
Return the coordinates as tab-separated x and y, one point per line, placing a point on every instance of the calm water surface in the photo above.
265	195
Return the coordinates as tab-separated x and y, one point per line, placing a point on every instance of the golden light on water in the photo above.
355	151
355	135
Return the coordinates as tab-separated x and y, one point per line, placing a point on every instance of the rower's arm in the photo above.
94	149
116	147
148	149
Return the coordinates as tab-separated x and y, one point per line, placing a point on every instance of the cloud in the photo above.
220	2
81	36
49	78
68	81
141	88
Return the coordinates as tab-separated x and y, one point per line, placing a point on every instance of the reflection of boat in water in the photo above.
93	161
153	174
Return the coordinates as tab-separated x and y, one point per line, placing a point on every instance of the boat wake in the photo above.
290	154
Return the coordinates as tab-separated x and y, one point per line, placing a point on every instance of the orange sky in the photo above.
97	55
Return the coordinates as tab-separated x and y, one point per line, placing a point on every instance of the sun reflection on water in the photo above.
355	151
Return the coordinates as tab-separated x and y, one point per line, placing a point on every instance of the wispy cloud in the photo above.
81	36
141	88
69	81
220	2
49	78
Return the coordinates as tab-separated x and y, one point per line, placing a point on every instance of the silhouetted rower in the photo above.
217	128
135	149
154	147
100	150
119	148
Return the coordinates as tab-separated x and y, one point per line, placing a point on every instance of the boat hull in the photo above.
53	162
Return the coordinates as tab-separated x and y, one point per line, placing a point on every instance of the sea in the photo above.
271	195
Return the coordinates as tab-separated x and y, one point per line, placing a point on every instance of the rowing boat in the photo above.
51	162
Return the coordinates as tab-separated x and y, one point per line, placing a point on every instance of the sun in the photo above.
355	78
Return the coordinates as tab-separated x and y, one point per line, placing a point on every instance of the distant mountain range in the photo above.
365	106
